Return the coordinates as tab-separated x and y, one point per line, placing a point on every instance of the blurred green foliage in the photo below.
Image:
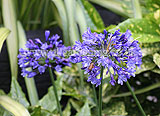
73	17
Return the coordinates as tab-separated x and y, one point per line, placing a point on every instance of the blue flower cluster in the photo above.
118	53
39	56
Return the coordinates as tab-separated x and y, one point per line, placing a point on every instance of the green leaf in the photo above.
46	113
155	17
71	91
67	110
93	18
150	48
2	111
63	15
84	111
121	7
25	18
4	32
9	19
87	17
2	92
13	107
37	111
115	108
156	59
80	18
36	13
71	71
156	70
73	29
6	113
75	95
125	7
45	18
24	7
146	30
49	101
75	104
147	64
152	5
58	20
108	92
136	9
17	94
30	83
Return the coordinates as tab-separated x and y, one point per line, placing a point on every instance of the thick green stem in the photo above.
95	97
136	9
100	93
55	91
135	98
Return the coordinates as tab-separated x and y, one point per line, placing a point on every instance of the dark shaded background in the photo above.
42	81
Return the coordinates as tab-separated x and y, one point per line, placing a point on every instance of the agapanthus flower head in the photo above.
118	53
39	56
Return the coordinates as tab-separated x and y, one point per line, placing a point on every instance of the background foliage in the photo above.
73	17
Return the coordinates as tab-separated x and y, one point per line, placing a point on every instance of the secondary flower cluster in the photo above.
38	56
118	53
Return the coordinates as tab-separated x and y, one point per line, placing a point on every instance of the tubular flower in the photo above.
39	56
118	53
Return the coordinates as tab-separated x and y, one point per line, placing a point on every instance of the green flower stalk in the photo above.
55	91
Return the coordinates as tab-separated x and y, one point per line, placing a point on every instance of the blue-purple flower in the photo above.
39	56
118	53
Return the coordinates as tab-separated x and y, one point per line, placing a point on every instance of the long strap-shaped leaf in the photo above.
13	107
30	83
9	19
136	9
115	6
80	18
94	20
73	29
4	32
62	12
